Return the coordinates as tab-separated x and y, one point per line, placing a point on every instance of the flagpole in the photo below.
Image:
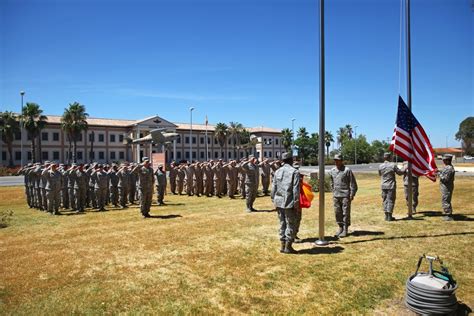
321	241
408	47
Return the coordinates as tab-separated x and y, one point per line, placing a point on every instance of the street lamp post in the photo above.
191	135
22	93
355	143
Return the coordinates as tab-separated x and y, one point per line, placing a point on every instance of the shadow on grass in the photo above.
358	233
314	239
463	309
165	216
320	250
456	217
408	237
264	211
170	204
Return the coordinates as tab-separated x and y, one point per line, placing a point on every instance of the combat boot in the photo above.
288	248
344	232
282	248
339	231
390	218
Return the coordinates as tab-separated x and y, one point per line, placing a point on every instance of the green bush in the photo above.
314	182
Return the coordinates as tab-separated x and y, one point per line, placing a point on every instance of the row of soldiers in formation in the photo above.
50	186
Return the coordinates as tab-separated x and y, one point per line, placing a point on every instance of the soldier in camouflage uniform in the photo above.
286	198
189	169
53	188
208	177
160	175
26	172
81	185
242	176
123	184
173	173
101	182
446	185
217	170
144	173
70	185
414	188
197	180
132	187
387	172
231	176
43	184
113	185
344	188
181	174
265	174
65	183
251	182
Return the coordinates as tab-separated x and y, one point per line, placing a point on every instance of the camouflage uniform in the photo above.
414	189
387	171
123	185
265	175
344	188
101	182
208	177
160	185
446	186
285	196
81	185
113	187
251	183
53	188
181	174
145	186
173	174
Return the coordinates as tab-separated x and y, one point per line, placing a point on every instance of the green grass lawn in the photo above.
208	256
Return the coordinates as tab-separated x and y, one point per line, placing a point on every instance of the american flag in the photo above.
410	142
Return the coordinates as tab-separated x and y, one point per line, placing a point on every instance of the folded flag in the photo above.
306	195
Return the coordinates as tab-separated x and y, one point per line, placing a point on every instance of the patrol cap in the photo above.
338	157
447	157
387	154
251	156
160	165
145	159
285	156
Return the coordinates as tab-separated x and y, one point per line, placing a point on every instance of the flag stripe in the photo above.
410	142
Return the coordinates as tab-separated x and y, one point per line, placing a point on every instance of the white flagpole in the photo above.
410	180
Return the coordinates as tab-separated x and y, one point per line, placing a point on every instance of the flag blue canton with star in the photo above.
405	118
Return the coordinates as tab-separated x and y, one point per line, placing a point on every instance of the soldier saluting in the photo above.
144	173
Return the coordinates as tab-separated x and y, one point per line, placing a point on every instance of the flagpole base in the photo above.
321	242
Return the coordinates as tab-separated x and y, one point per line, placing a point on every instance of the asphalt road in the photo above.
362	168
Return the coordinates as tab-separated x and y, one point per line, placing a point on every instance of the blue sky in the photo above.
254	62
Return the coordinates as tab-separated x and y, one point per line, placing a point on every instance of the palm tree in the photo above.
348	129
33	121
234	131
9	126
328	139
244	138
74	122
287	137
221	132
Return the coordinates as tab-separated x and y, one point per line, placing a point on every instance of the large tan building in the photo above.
104	142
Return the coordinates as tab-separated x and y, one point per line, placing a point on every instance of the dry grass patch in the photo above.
207	256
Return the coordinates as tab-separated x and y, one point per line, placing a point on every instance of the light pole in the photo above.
355	143
22	93
191	135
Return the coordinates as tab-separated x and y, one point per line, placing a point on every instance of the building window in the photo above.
264	154
178	155
270	140
277	154
56	136
229	156
101	138
79	155
194	140
112	138
44	136
29	156
91	137
17	155
55	155
208	140
45	155
101	155
258	155
4	155
215	141
194	155
276	141
79	139
178	139
121	138
121	155
201	155
112	155
186	140
270	154
201	140
216	155
186	155
18	136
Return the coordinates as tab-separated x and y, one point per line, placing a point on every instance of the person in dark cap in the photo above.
286	198
446	186
387	172
344	188
144	173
